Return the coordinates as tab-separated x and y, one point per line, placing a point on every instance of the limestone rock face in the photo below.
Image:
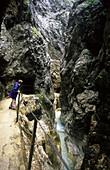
3	5
55	74
44	155
2	91
27	58
85	84
51	18
32	33
25	53
33	36
3	63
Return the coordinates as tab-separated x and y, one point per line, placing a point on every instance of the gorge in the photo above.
60	49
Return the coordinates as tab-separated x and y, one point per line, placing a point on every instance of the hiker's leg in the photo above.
14	103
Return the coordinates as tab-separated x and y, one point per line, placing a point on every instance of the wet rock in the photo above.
55	74
46	156
51	20
37	28
31	104
56	101
2	91
35	103
4	5
84	71
27	61
3	59
33	32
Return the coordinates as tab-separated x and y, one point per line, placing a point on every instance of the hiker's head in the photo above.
20	81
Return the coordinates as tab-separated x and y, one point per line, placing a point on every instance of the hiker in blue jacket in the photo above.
13	94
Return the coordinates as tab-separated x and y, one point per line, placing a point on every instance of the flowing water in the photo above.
61	132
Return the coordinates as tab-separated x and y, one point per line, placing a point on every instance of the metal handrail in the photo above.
47	137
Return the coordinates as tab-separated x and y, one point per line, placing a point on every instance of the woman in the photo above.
13	94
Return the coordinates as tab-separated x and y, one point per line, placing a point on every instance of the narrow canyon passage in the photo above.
58	49
10	144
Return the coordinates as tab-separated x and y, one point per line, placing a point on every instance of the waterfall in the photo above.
61	132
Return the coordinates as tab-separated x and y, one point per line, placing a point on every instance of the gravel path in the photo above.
10	143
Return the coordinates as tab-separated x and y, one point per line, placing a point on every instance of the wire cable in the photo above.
47	136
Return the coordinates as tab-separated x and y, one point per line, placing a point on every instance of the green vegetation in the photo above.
69	2
90	1
26	2
35	32
87	2
63	10
41	97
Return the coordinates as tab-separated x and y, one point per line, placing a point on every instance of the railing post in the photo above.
32	144
18	107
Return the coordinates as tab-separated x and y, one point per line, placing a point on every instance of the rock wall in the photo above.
55	74
50	17
3	63
44	156
3	5
32	33
25	53
85	85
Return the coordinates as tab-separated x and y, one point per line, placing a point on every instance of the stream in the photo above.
61	132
